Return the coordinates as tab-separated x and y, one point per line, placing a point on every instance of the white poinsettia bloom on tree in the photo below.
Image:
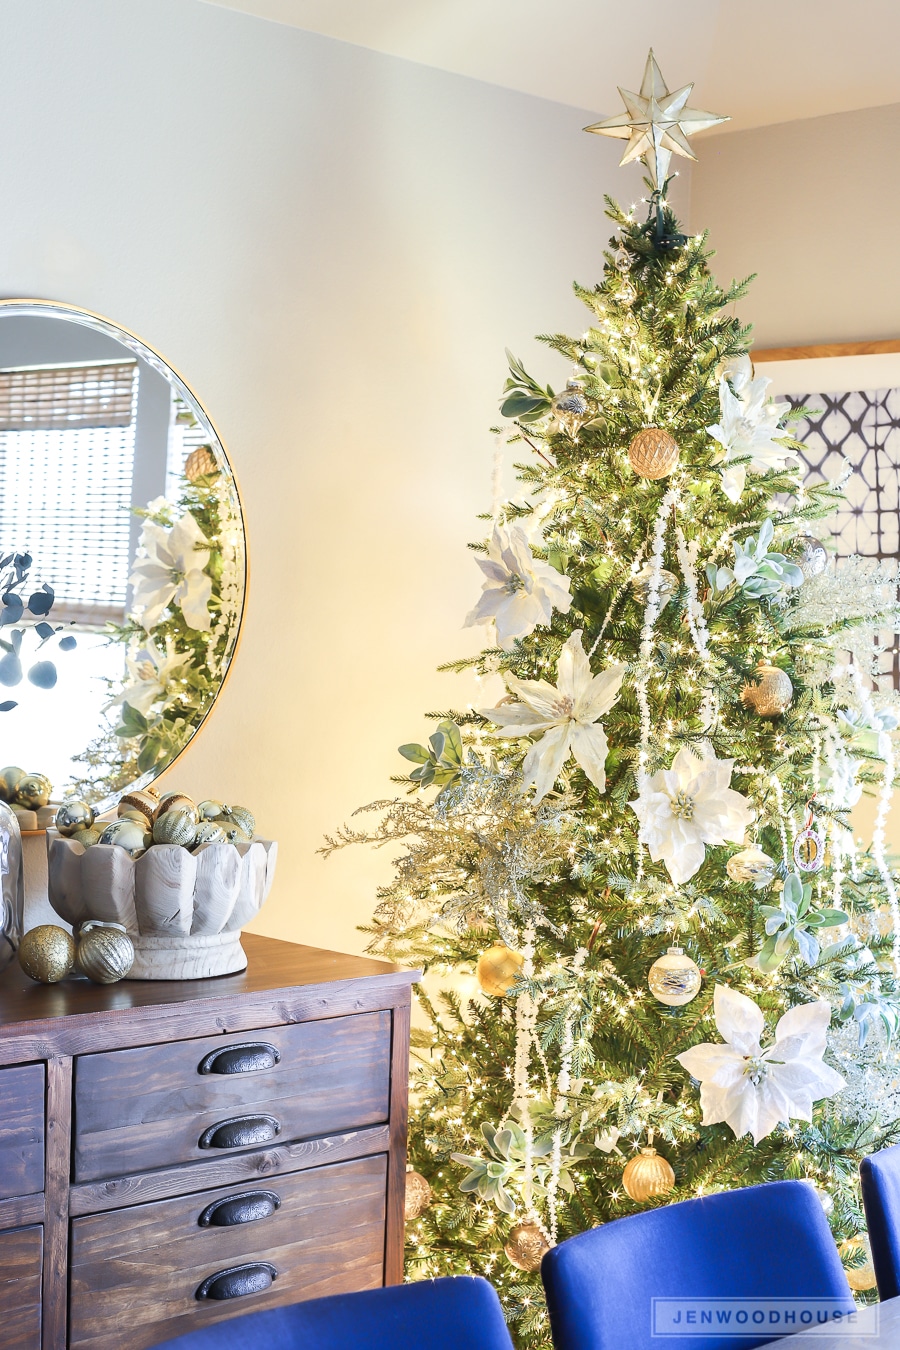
150	676
520	591
750	1089
171	571
748	427
687	806
565	718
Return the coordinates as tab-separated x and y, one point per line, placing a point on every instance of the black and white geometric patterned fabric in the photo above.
862	426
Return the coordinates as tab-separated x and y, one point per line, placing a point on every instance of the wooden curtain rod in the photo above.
827	349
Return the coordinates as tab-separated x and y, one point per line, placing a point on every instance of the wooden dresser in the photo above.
175	1153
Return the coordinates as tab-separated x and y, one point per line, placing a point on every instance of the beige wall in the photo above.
811	207
333	247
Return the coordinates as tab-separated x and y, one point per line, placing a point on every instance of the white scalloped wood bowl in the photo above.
183	911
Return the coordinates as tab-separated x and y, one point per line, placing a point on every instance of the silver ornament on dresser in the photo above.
105	952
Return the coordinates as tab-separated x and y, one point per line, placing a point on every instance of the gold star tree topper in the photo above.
657	123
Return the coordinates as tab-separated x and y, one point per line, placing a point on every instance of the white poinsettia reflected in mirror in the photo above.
151	674
169	570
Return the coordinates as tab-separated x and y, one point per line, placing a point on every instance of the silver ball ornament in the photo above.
74	814
674	979
751	864
128	834
813	556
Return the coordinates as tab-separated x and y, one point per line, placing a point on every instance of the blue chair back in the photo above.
462	1313
880	1177
768	1242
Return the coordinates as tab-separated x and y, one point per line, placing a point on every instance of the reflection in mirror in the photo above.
122	558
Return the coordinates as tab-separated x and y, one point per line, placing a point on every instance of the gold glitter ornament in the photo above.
525	1247
87	838
771	695
242	818
863	1277
105	952
674	979
751	864
176	801
175	827
74	814
200	463
646	1175
47	953
497	969
418	1196
653	453
145	802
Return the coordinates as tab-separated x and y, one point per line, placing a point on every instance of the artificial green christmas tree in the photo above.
688	968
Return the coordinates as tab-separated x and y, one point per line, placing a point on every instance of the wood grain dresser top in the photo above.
295	981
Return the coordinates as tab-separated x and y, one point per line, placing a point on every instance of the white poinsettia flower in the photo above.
748	427
750	1089
565	718
151	675
171	571
520	591
687	806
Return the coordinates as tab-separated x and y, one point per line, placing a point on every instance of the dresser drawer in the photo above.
21	1254
154	1106
135	1273
21	1130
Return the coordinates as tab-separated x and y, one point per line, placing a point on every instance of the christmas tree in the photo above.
688	968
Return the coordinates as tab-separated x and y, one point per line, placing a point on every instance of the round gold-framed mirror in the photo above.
123	560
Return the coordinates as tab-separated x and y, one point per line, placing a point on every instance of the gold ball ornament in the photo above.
132	813
674	979
131	835
175	827
418	1196
200	463
751	864
863	1277
47	953
9	780
525	1247
33	791
87	838
771	695
653	453
497	970
646	1175
74	814
145	802
176	801
105	952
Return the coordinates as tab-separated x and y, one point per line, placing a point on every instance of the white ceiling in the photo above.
762	61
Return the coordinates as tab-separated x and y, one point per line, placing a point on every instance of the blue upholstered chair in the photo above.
761	1242
880	1177
463	1313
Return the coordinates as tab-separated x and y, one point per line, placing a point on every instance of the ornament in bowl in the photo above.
182	878
28	796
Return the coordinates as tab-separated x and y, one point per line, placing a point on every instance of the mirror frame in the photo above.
23	306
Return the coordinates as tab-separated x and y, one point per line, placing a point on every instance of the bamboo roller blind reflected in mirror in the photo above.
66	470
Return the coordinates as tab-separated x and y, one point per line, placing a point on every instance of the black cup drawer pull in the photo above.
238	1281
241	1132
244	1208
247	1058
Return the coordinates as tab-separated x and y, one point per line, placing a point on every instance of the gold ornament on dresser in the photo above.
47	953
